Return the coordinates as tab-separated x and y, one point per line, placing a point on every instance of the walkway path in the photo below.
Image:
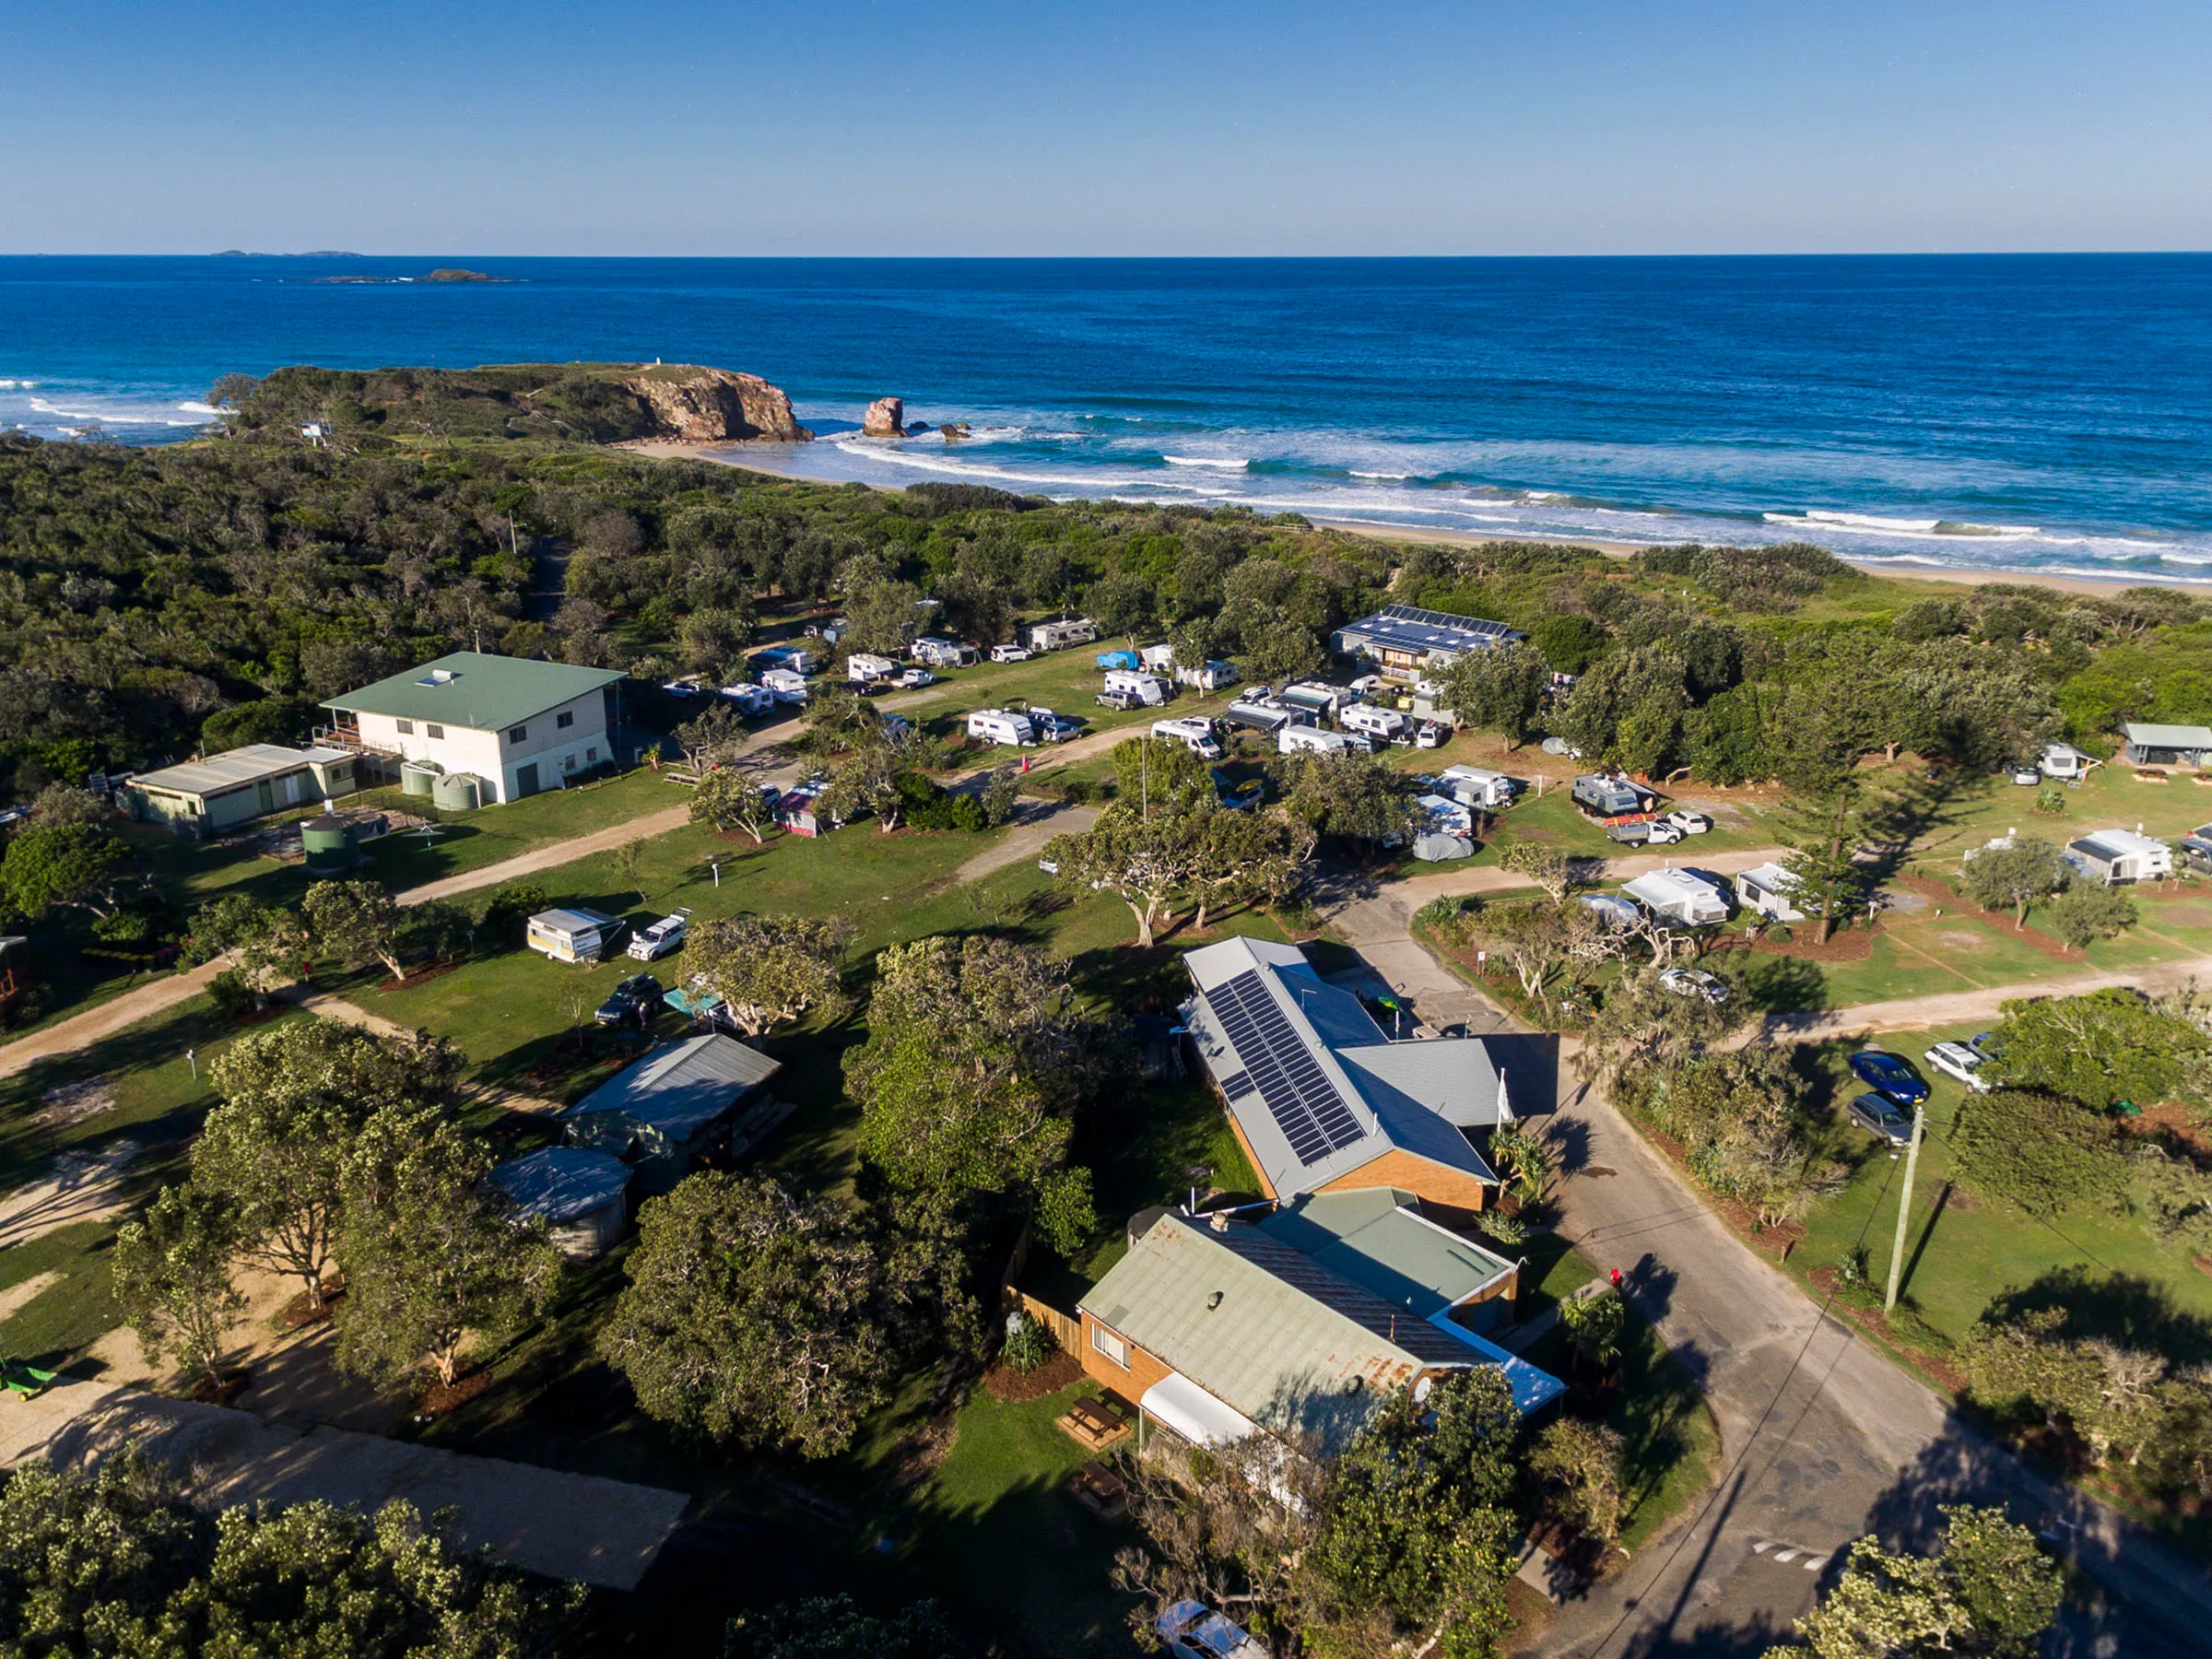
531	1516
1823	1438
1967	1008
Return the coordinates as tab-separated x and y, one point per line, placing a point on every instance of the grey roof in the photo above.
1410	628
1378	1238
475	691
2169	736
682	1087
573	920
234	768
1413	1096
562	1182
2109	846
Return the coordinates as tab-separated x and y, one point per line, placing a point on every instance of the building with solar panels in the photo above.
1405	641
1323	1100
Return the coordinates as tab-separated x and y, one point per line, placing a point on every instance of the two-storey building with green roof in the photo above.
518	725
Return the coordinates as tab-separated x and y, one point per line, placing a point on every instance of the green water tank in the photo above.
418	777
331	845
458	791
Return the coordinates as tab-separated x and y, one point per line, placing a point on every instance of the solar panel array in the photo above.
1445	619
1281	1070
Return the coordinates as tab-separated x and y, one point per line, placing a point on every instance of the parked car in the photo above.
1688	822
1955	1060
913	679
633	1001
2026	775
1430	736
1191	1630
1888	1075
1695	981
1662	832
662	937
1123	700
1009	653
680	687
1879	1118
1054	728
1985	1045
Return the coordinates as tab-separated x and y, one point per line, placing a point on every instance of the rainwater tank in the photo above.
416	777
331	845
458	791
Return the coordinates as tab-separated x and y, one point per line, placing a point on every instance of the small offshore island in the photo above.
444	274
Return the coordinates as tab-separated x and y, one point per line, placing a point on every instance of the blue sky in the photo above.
847	127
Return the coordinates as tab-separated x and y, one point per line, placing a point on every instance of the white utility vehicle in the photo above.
662	937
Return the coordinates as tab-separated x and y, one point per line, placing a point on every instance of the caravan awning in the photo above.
1196	1415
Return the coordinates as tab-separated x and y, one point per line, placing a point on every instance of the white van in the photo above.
864	669
1387	725
1148	690
1295	739
1194	734
1001	726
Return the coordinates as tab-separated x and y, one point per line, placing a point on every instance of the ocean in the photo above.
2011	413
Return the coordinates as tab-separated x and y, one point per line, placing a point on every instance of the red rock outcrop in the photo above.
716	406
886	418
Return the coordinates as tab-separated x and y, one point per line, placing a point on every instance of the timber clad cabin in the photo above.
211	796
1403	641
1300	1326
519	726
1323	1100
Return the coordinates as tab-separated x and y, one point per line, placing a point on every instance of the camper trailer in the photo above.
785	684
2113	857
1194	734
796	812
1001	726
1315	699
1767	890
1268	717
1208	675
1303	739
752	700
864	669
1677	896
1473	786
1061	634
1384	725
1147	689
2065	761
796	658
572	936
940	652
1604	796
1445	814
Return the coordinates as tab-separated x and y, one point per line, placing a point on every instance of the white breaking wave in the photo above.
1227	463
16	385
191	406
1391	477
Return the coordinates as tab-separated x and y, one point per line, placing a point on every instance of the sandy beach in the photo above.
770	458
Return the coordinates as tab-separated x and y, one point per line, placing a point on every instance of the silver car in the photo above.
1960	1063
1880	1118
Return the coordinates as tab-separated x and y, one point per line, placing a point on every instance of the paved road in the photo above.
573	1526
1823	1438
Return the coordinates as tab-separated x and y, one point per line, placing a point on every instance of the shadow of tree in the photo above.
1780	984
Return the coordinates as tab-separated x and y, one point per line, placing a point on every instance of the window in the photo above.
565	719
568	763
406	727
1107	1344
516	734
591	757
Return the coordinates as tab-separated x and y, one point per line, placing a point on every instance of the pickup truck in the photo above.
1642	829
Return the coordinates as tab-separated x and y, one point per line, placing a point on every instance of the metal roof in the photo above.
573	920
1410	628
2169	736
1378	1238
681	1086
234	768
562	1182
2108	846
1314	1084
475	691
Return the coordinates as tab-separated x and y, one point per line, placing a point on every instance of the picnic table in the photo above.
1096	1424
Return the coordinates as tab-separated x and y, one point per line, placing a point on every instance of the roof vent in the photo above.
1213	1301
1218	1221
438	677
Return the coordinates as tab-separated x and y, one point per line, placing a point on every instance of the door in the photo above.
291	789
526	781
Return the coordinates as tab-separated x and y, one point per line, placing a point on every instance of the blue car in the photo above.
1889	1076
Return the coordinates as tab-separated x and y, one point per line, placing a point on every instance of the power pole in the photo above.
1904	1205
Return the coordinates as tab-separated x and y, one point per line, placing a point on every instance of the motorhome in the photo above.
785	684
1196	735
864	669
1061	634
1477	787
1385	725
1297	739
1002	726
1147	689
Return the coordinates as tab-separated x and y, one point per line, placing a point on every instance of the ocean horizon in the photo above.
2035	413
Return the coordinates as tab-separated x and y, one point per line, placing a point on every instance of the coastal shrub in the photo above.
508	914
2041	1153
929	806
